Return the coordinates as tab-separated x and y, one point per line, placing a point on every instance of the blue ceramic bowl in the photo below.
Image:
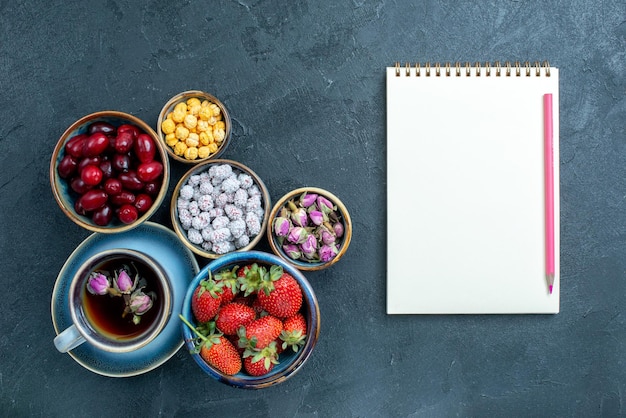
65	196
344	217
289	362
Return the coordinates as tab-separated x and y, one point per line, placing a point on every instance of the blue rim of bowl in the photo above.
305	265
203	166
294	361
62	191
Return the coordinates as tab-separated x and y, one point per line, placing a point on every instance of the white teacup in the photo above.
113	311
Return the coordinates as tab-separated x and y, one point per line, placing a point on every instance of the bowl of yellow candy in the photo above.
194	126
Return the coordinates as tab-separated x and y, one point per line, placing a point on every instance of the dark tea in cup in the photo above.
119	301
108	314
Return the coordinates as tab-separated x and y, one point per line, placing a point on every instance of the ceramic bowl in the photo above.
321	257
66	197
207	146
202	206
290	362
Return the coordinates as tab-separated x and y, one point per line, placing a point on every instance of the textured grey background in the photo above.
304	82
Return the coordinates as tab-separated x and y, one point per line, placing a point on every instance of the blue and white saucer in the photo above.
181	267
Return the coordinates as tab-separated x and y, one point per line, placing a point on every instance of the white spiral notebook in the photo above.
466	228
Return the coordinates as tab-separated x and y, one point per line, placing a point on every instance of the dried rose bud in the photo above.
317	217
123	282
290	206
140	303
328	252
338	228
98	284
309	247
297	235
299	217
292	250
327	237
281	226
284	212
325	205
307	199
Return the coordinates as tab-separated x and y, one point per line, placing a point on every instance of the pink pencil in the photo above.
549	187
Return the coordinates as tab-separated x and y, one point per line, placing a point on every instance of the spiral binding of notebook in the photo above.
458	70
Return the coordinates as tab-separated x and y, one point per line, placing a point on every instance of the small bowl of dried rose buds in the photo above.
309	228
220	206
250	320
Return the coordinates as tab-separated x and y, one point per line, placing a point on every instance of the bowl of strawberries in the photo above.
250	320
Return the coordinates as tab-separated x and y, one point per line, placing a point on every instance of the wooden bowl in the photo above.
203	218
66	197
341	242
220	145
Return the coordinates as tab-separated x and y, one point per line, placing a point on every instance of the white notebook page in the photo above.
465	193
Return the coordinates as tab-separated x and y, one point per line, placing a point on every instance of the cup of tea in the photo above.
119	301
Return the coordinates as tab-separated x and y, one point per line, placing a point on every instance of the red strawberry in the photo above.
242	300
206	299
227	295
214	348
294	332
250	278
295	323
241	272
259	363
232	316
230	283
257	368
280	294
221	354
260	332
256	305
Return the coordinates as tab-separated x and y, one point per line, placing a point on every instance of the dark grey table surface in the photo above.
304	83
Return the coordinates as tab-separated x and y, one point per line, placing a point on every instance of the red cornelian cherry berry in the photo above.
128	214
91	175
143	202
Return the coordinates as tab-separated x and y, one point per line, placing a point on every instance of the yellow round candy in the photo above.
168	126
170	139
205	137
205	113
190	121
180	148
202	126
194	110
193	101
191	153
215	109
181	132
204	152
193	140
219	135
